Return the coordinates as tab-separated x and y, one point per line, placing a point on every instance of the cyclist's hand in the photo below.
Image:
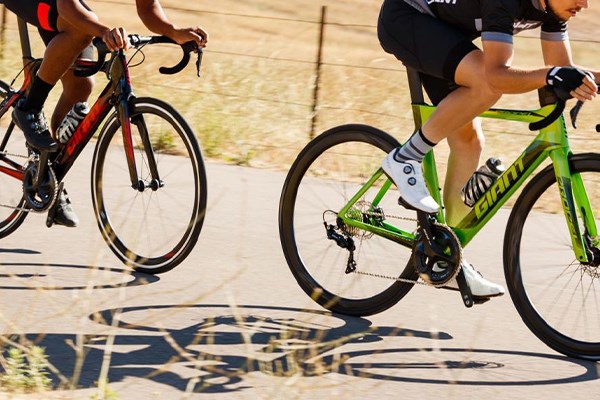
184	35
116	39
569	82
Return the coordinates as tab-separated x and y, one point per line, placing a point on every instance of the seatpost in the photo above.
25	44
415	86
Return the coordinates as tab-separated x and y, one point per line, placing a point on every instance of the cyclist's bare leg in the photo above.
462	105
454	120
466	147
75	89
62	51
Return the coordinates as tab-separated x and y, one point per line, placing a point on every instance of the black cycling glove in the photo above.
566	79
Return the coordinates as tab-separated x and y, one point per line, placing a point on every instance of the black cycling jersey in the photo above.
496	20
433	36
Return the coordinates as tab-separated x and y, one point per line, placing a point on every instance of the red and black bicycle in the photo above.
148	176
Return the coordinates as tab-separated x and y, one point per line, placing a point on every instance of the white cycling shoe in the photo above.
408	177
480	287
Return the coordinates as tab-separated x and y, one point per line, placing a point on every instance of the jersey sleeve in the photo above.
497	19
554	30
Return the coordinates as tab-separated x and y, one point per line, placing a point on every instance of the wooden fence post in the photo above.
315	104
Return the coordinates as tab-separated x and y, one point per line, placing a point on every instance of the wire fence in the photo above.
331	87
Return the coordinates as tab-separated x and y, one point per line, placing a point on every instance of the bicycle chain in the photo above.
6	153
394	278
389	216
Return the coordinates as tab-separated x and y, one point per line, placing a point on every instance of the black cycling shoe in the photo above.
34	126
62	213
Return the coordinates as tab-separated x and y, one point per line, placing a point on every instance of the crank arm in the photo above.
465	290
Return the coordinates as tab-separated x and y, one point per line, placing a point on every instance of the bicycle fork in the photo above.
128	118
574	200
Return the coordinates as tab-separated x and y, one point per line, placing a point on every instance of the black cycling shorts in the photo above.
44	15
424	43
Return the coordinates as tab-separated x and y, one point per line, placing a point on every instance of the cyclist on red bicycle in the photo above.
435	37
67	28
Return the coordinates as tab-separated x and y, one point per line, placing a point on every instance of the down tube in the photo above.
504	187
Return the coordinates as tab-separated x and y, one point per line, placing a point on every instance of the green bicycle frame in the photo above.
551	142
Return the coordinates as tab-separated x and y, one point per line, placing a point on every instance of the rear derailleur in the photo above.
342	239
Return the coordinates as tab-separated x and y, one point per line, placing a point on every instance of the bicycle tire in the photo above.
154	230
541	281
12	204
307	249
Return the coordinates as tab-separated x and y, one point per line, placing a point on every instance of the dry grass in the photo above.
253	105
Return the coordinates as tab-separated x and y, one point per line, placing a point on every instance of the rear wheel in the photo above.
326	174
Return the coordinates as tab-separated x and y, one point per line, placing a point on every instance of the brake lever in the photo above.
574	112
199	61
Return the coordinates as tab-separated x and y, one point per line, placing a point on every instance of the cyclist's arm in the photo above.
559	53
87	22
153	16
73	12
507	79
501	75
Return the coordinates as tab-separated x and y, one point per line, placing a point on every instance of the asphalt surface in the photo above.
231	323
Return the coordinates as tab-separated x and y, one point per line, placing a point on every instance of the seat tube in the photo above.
565	184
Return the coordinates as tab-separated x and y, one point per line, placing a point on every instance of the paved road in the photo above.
232	321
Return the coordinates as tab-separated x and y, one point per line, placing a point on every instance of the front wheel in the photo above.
324	177
154	224
555	294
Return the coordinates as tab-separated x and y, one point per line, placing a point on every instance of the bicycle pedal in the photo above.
480	300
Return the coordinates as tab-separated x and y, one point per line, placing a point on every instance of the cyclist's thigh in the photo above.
437	88
421	41
47	36
40	13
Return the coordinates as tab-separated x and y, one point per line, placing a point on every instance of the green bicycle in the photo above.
340	227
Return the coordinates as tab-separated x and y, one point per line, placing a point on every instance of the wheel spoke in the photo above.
142	229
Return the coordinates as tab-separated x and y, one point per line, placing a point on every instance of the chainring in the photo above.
42	196
437	259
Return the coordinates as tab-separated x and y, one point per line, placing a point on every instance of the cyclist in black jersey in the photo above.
435	37
67	28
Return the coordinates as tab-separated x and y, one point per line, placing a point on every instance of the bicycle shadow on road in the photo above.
47	276
213	349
